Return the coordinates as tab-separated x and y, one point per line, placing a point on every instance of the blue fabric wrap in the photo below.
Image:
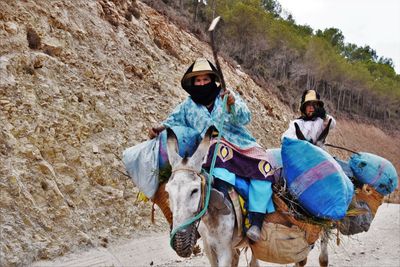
242	187
225	175
198	117
375	171
260	196
316	179
188	141
257	193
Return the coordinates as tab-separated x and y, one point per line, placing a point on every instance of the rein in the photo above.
209	180
343	148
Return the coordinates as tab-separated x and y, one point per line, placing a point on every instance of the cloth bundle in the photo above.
144	161
316	179
375	171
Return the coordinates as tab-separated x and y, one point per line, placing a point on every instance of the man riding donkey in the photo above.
239	155
314	124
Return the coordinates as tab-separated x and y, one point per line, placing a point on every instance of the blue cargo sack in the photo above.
316	179
375	171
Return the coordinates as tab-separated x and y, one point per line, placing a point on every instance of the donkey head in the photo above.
184	189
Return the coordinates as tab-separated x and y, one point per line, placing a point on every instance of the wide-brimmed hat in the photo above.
200	66
310	96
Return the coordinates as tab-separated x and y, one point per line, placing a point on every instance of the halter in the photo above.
204	199
208	187
203	185
185	169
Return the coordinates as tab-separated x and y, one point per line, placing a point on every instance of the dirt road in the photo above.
380	246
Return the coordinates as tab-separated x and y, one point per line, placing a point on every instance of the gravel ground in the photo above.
380	246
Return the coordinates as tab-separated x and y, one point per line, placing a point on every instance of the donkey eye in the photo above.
194	191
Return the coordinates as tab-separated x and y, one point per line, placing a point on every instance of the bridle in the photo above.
203	203
188	169
203	182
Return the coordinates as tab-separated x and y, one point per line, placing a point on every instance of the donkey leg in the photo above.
323	256
254	262
212	257
218	240
301	263
235	257
223	244
225	256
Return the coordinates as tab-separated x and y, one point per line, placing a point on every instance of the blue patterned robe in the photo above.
197	116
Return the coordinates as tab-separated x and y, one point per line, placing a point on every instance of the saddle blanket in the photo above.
252	163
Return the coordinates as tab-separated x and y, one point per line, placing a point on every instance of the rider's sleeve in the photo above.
176	117
290	132
240	113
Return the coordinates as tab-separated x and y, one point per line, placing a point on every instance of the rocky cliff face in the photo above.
80	81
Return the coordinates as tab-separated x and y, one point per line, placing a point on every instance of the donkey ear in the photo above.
197	159
172	148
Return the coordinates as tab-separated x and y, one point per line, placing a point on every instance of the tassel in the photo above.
337	236
142	197
152	213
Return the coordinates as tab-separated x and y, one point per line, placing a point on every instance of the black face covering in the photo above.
203	94
308	118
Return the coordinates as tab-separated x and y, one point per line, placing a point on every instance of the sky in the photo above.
362	22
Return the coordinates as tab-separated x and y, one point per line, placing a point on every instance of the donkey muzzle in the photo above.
184	241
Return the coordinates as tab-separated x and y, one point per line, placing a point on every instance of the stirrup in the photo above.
254	233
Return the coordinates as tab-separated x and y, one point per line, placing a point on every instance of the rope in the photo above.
203	211
339	147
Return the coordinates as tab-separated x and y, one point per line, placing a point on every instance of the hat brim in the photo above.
303	105
202	67
198	73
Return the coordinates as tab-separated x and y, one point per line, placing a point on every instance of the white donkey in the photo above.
216	228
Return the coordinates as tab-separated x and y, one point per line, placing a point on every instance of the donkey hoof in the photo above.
254	233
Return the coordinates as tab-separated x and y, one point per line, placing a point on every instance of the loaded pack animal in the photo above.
221	229
217	228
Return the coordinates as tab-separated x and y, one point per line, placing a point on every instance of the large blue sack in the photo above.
316	179
375	171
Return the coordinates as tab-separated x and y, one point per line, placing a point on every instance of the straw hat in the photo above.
310	96
201	66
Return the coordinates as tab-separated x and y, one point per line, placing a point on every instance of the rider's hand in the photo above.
231	98
155	131
320	112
